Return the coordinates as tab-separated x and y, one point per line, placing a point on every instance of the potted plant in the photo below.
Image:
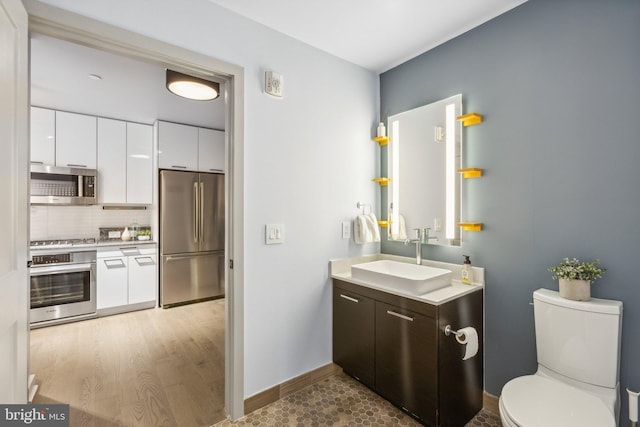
576	277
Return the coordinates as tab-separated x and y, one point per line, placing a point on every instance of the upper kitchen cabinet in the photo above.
139	163
210	150
124	162
177	146
43	136
185	147
75	140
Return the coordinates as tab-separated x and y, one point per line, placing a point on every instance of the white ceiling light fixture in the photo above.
192	87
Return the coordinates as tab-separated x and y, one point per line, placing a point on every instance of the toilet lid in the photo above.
534	401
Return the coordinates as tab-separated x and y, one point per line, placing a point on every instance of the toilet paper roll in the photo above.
470	340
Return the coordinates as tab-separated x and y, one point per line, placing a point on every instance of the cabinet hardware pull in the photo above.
71	165
143	261
349	298
178	167
402	316
114	263
34	162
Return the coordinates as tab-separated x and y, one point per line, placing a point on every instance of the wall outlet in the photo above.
346	230
274	234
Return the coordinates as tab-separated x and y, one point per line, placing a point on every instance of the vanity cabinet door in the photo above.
353	334
406	360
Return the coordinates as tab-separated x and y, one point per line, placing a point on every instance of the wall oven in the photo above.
63	285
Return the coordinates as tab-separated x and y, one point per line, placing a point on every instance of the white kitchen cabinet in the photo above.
139	163
177	146
125	165
112	161
211	153
142	278
127	277
43	136
112	283
76	140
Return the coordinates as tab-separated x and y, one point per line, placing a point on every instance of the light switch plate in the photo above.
274	234
346	230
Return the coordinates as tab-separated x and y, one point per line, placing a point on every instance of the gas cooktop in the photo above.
61	243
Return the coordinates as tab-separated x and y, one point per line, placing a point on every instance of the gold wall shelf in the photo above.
383	224
382	181
470	119
470	172
382	140
471	226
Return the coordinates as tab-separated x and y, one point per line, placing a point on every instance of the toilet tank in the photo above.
579	339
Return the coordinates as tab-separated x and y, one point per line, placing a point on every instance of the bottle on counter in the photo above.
126	236
467	273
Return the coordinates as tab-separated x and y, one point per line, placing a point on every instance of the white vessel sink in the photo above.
409	278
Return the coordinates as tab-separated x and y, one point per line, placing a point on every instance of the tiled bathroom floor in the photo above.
339	401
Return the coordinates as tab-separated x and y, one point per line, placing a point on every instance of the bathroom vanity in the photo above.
395	344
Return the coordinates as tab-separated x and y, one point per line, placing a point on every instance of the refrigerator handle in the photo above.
201	211
195	212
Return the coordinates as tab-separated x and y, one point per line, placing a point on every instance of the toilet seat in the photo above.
536	401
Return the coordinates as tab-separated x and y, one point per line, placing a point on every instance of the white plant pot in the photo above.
577	290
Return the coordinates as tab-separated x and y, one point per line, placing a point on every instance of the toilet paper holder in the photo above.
448	330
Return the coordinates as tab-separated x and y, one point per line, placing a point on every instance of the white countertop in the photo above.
341	269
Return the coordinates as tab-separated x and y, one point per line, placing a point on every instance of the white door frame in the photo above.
62	24
14	226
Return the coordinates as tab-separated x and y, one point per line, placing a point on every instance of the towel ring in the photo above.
363	206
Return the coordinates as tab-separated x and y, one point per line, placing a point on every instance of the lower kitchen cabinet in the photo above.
397	347
127	278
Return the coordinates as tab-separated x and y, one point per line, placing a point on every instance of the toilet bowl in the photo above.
539	401
576	383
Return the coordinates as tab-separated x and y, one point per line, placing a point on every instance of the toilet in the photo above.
576	384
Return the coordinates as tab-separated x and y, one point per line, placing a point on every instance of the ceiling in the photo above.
129	90
375	34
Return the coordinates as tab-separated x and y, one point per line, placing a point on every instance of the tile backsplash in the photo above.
71	222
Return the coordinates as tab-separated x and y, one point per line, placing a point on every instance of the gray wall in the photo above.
558	83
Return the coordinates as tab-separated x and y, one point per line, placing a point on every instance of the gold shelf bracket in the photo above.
470	172
470	119
471	226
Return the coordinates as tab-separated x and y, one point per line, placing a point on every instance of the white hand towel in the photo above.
360	230
401	233
374	228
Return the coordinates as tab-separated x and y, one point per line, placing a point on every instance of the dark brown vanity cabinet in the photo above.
405	355
353	334
397	347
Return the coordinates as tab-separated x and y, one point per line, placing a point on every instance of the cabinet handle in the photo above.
34	162
349	298
144	261
130	251
114	263
402	316
72	165
178	167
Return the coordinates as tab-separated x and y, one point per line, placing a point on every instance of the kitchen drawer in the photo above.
127	250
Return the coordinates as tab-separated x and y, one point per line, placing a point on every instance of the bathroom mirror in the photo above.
423	159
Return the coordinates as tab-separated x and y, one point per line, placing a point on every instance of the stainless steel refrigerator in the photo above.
191	236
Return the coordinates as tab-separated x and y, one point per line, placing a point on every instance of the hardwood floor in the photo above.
157	367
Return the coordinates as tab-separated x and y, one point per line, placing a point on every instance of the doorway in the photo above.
65	25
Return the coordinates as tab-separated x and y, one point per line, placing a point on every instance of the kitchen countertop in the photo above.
89	246
341	269
109	243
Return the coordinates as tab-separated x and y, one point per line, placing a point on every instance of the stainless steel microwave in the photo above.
52	185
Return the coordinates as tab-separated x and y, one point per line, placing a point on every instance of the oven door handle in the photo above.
58	269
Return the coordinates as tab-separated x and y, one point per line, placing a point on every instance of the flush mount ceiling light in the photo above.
192	87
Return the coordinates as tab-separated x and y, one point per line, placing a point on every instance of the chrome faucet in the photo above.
422	236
